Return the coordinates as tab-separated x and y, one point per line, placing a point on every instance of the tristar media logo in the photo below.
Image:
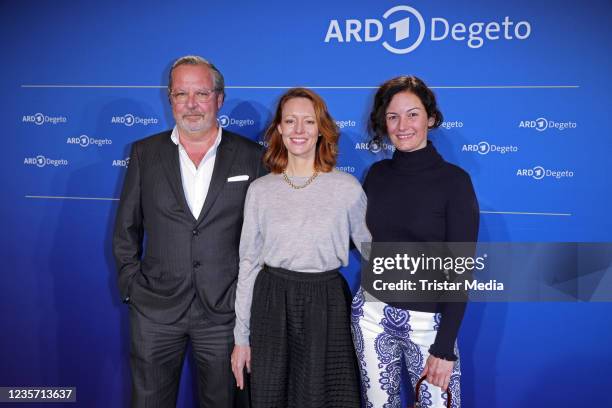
539	172
85	141
42	161
225	121
40	119
131	120
484	148
402	29
541	124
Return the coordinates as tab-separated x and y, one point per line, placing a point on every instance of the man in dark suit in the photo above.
176	242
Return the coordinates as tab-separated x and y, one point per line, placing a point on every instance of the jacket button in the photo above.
196	264
195	232
126	299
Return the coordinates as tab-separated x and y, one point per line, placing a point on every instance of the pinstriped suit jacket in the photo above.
164	255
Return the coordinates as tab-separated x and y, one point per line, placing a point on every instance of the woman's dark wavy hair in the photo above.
377	124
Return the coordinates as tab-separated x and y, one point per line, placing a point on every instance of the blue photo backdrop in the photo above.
524	88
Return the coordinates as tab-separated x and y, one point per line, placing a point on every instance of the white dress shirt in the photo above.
196	180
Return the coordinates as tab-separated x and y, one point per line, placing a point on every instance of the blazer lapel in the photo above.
169	156
223	162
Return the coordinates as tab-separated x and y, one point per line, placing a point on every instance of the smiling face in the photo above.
407	122
194	116
299	128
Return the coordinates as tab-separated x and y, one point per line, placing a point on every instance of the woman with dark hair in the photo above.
414	197
292	305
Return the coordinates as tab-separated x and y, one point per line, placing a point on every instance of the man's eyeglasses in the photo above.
201	95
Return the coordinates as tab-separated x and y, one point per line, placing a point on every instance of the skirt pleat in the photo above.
302	350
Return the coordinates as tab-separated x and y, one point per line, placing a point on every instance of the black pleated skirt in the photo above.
302	352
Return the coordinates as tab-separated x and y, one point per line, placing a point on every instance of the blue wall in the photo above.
81	64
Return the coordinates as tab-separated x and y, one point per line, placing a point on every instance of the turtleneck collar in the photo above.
418	160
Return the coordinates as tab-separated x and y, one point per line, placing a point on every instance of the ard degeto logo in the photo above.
374	147
121	162
42	161
541	124
346	124
539	172
346	169
484	148
40	119
225	121
448	125
402	29
130	120
85	141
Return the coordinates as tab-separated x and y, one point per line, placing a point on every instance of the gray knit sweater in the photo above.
306	230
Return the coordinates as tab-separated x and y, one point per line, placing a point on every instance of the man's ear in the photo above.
220	99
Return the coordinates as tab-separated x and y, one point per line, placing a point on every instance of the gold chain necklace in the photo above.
310	180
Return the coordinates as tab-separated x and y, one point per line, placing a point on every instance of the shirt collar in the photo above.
175	138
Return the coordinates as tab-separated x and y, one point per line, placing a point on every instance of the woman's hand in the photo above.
241	356
438	371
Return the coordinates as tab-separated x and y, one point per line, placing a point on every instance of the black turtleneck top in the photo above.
419	197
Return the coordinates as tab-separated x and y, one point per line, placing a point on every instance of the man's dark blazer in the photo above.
183	257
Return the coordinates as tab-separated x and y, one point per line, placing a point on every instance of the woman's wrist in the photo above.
448	356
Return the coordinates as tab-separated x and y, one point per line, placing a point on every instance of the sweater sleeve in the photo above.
462	221
357	223
251	262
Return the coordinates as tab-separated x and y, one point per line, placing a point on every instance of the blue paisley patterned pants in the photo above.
385	337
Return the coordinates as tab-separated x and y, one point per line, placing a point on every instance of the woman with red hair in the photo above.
292	304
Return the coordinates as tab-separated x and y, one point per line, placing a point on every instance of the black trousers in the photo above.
157	353
302	353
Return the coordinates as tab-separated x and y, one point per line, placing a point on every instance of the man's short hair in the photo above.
218	81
